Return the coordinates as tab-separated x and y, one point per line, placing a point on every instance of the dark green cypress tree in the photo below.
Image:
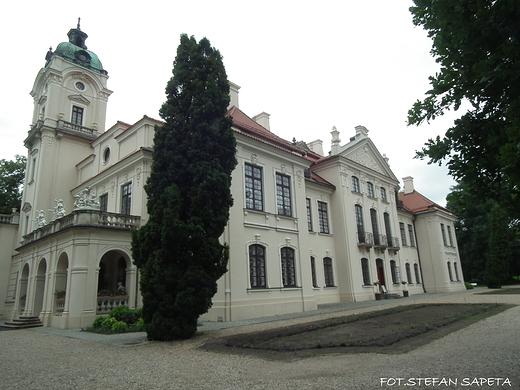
499	248
178	251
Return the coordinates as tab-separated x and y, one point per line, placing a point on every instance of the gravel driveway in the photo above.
472	358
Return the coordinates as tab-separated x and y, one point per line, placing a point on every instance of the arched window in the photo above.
370	190
359	223
313	272
449	272
355	184
408	273
417	274
327	270
257	266
393	270
383	195
456	271
366	272
288	271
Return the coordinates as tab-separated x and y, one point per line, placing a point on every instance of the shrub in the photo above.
98	322
119	327
469	286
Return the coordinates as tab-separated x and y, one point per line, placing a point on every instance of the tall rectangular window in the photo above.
103	202
375	227
126	199
288	271
393	271
77	115
257	266
417	274
327	269
443	231
449	235
403	233
313	272
359	223
388	229
383	195
411	235
408	273
366	272
323	217
283	194
355	184
370	190
309	214
449	272
254	190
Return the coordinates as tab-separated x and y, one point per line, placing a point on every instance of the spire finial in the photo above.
79	20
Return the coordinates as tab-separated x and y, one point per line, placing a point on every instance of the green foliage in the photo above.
120	320
469	286
98	322
178	250
12	174
477	45
499	251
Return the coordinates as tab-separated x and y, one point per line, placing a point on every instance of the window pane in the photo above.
253	188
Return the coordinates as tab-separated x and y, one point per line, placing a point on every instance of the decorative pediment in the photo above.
365	158
79	99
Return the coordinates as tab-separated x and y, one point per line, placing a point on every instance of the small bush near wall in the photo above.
119	320
469	286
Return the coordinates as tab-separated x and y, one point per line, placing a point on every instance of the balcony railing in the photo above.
380	241
106	303
393	243
365	239
83	218
11	219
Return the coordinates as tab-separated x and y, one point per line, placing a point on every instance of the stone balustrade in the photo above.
107	303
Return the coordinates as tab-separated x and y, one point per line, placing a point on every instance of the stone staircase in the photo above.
23	323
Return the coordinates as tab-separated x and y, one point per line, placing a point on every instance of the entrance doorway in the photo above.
381	274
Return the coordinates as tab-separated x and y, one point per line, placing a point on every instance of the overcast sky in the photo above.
310	65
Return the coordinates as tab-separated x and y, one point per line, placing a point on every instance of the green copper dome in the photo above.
75	51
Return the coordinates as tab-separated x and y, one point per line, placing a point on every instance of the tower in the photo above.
70	101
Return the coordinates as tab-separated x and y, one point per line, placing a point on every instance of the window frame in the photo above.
365	272
314	277
323	217
253	199
126	198
283	194
384	197
394	272
370	190
408	273
288	264
257	262
77	115
403	233
443	232
417	273
308	203
411	235
328	272
103	202
356	185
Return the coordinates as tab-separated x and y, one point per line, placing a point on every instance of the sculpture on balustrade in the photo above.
40	220
85	200
59	210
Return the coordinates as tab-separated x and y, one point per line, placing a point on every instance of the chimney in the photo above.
408	185
262	119
335	148
233	95
316	146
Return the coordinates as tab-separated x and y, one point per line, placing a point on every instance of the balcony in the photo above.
380	241
84	218
365	239
393	243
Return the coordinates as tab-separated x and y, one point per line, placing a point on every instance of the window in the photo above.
370	189
403	233
375	228
456	272
359	223
77	115
254	191
394	271
126	199
408	273
411	235
313	272
103	202
449	236
388	229
257	266
323	217
449	272
309	214
327	270
383	195
443	231
366	272
288	272
417	275
283	194
33	169
355	184
106	155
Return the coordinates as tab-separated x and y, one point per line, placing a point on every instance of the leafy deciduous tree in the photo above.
477	44
178	250
499	248
12	174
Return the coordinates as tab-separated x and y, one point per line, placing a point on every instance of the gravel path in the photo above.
45	358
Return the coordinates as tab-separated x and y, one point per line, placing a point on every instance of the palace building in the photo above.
307	228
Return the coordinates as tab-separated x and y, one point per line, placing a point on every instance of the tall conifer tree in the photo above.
178	251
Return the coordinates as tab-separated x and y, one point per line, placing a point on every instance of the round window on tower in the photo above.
80	86
106	155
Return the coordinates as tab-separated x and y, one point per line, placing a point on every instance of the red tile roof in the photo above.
415	202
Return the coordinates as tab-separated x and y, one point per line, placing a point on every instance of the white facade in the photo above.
304	229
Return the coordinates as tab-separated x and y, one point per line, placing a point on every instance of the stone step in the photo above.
23	323
391	296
